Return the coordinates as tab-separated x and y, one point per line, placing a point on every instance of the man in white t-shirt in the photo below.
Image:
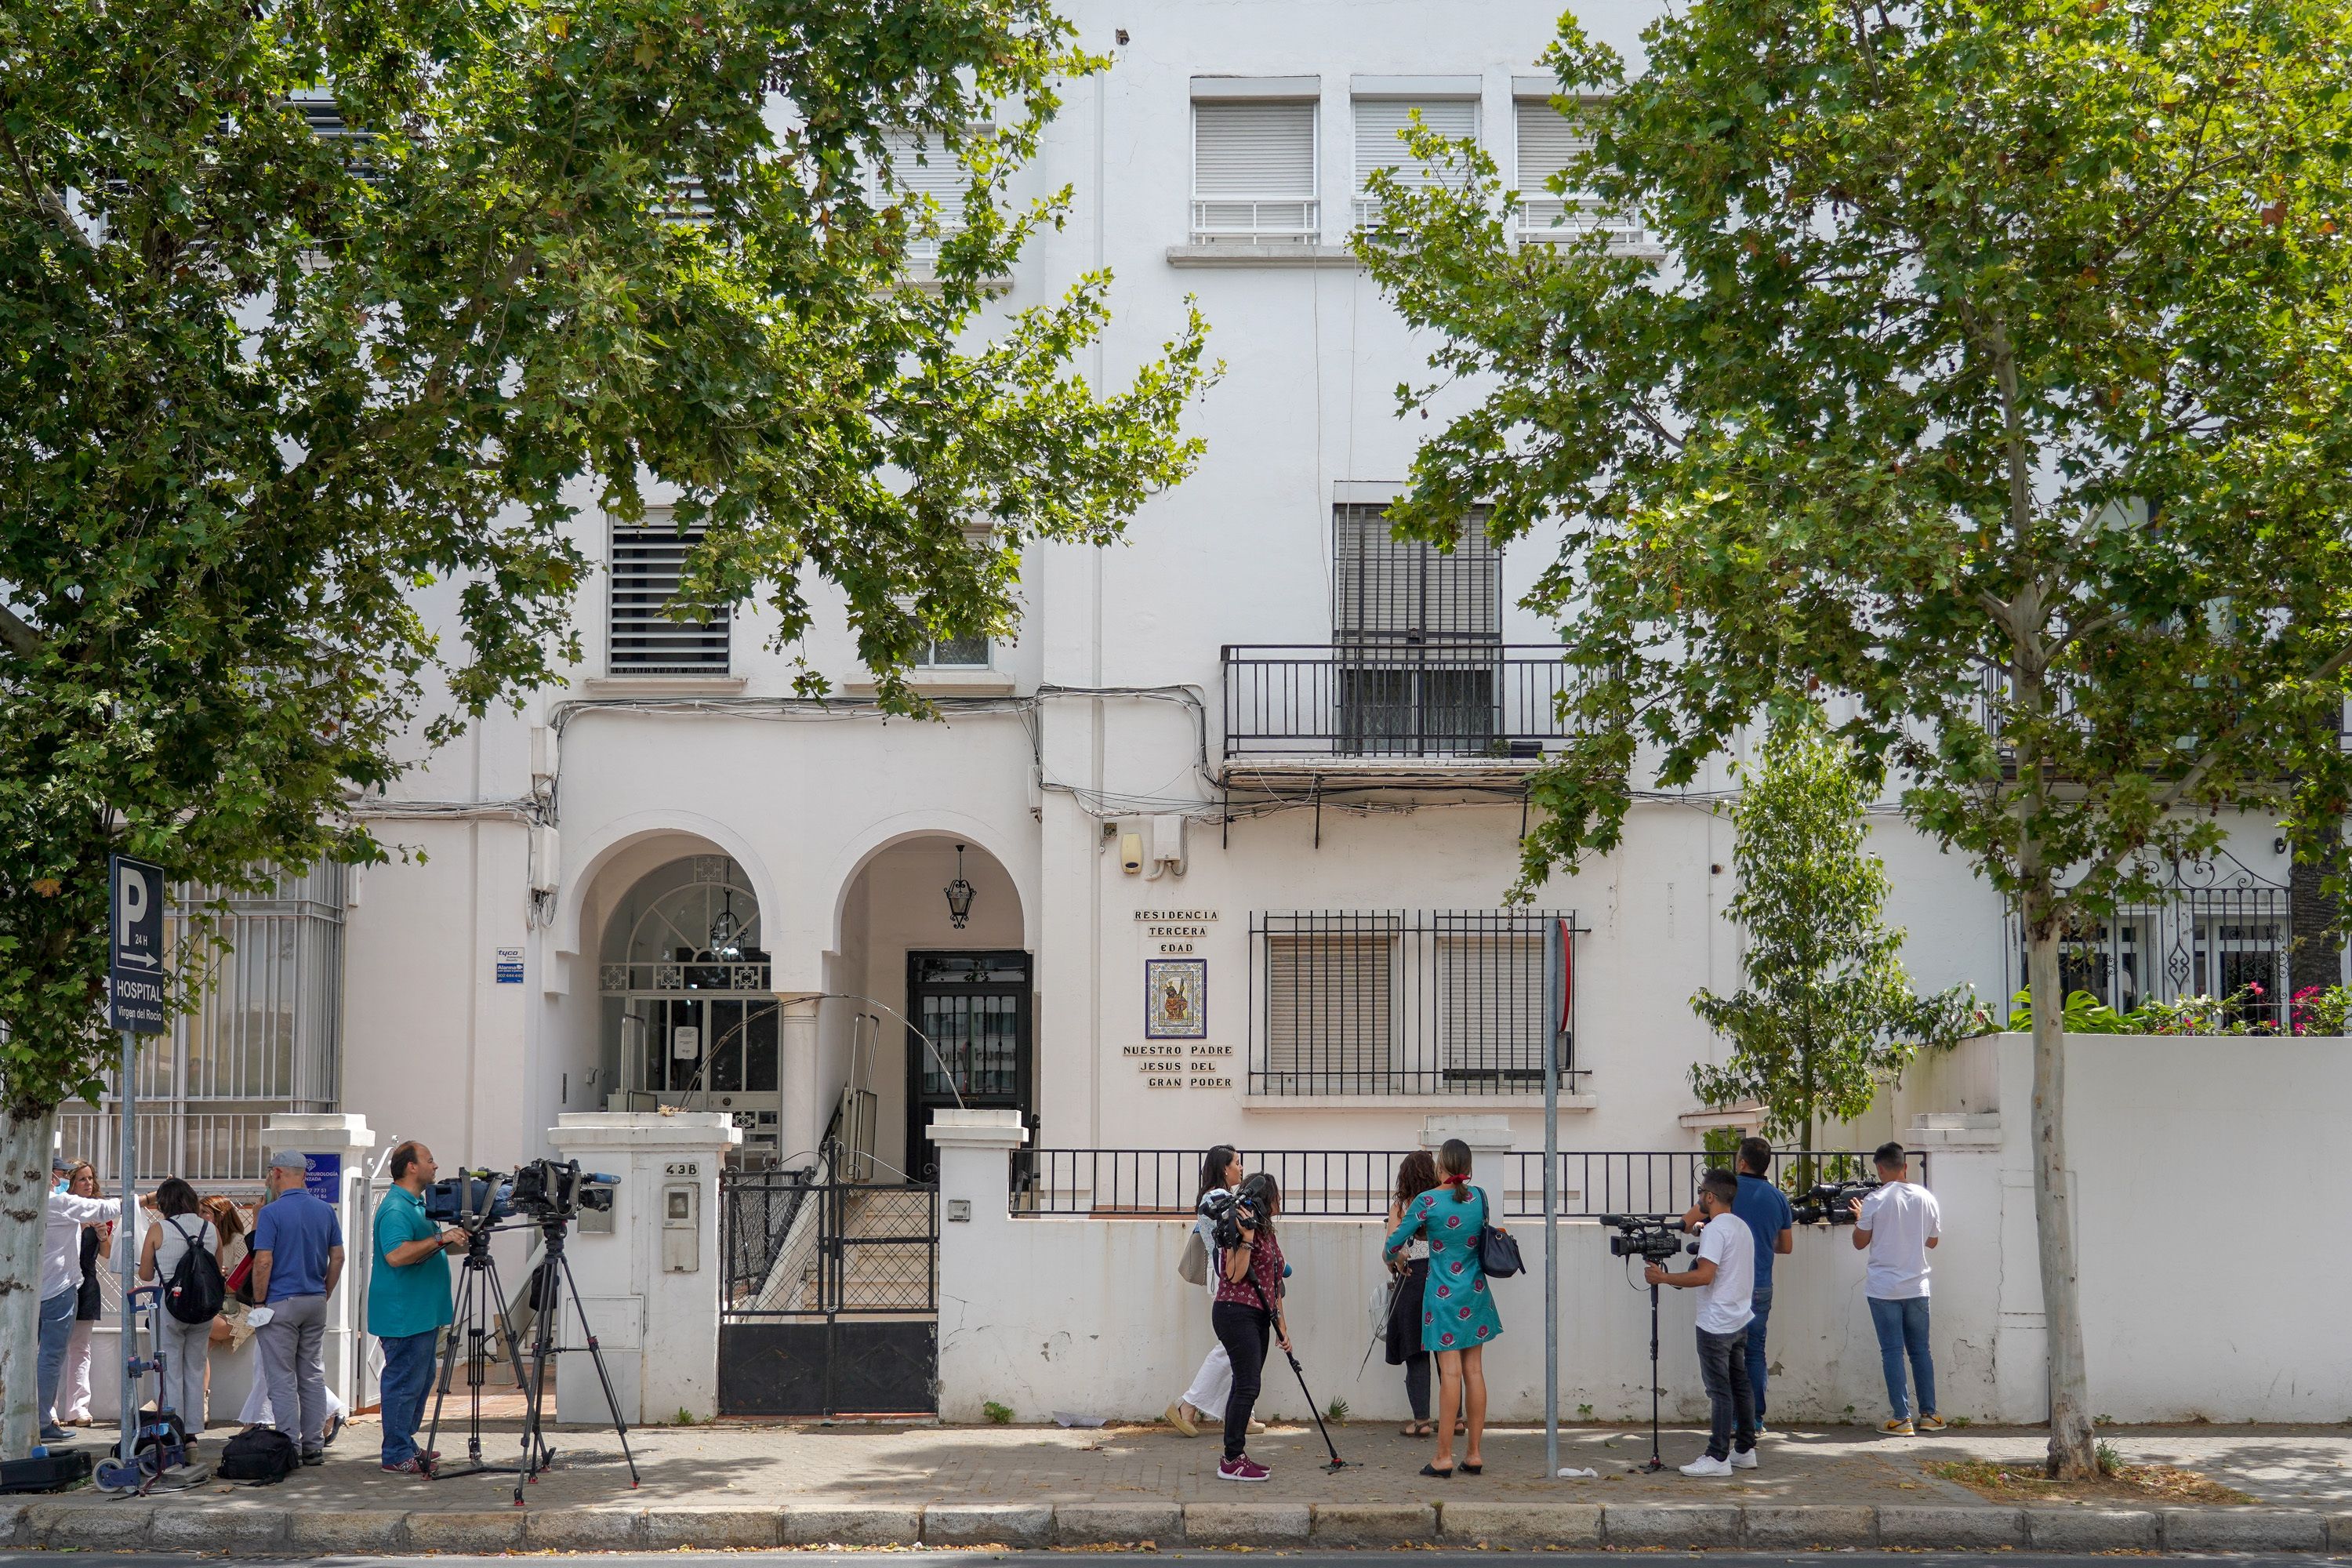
1725	1278
1896	1225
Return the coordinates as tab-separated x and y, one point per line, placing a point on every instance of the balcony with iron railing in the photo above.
1397	698
1550	220
1247	220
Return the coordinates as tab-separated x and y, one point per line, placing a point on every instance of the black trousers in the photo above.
1722	1367
1245	1331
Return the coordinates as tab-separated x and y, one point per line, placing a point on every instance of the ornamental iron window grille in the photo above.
1397	1002
1417	638
264	1037
2218	930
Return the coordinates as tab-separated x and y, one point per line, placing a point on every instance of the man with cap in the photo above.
61	1282
298	1257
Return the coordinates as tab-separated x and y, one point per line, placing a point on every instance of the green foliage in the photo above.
1827	1012
1335	1411
998	1415
2311	1011
1721	1143
1994	376
266	396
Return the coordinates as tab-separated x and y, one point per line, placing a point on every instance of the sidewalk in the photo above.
747	1485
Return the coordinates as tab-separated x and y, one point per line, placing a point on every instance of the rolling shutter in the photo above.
1330	1014
1254	172
1379	121
640	638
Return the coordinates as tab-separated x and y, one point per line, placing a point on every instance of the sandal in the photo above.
1415	1430
1467	1468
1433	1470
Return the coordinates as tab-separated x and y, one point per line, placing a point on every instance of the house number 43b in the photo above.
683	1168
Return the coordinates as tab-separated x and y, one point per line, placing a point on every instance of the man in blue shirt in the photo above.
1767	1213
1774	1225
408	1302
298	1257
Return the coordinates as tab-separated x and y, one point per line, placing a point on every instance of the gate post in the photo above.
975	1239
650	1278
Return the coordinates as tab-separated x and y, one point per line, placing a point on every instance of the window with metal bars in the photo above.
1548	142
1254	173
1381	124
1392	1002
953	653
1417	636
641	638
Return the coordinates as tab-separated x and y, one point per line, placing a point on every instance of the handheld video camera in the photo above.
544	1191
1227	1212
1653	1239
1831	1203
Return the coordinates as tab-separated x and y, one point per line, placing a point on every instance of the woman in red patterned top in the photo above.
1249	1308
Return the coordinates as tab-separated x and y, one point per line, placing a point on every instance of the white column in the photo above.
802	1119
650	1273
973	1223
348	1138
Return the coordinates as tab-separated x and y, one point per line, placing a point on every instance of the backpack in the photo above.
195	1292
262	1455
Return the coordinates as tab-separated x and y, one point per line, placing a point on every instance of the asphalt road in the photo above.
1154	1559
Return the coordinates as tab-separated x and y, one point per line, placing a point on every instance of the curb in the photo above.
92	1523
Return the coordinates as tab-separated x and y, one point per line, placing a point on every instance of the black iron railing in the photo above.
1370	694
1401	1003
1357	1184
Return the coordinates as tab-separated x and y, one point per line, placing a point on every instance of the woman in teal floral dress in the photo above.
1457	1309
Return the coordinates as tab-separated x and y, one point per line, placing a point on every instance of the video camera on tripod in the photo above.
1831	1203
1653	1238
543	1192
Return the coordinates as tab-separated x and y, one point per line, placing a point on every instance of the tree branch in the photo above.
22	640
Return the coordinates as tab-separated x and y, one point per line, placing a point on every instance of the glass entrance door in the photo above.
973	1008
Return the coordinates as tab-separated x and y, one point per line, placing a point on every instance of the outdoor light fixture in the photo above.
959	894
724	929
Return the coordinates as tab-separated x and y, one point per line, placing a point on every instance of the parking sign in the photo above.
135	974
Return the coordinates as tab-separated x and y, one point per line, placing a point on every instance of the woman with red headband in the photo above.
1457	1310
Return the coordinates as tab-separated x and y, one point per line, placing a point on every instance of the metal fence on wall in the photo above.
265	1037
1358	1183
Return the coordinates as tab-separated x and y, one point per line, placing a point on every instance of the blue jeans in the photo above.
407	1379
56	1328
1723	1368
1903	1327
1761	1303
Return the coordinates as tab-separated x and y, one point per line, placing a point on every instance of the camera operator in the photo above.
1724	1277
1772	1222
298	1257
1249	1307
408	1302
1896	1224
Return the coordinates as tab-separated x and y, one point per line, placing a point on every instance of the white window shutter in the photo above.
924	166
1379	122
1254	172
1549	142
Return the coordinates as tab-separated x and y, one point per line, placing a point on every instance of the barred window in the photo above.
648	561
954	653
1417	635
1361	1002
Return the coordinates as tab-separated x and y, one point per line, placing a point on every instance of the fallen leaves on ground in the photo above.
2023	1482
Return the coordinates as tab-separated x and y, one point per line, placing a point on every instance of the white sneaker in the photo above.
1745	1461
1707	1465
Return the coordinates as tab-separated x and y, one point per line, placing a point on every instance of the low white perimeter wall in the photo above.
2202	1168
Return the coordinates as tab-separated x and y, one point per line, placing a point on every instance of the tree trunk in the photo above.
25	1140
2072	1455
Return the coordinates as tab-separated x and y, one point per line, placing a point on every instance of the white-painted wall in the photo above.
2200	1166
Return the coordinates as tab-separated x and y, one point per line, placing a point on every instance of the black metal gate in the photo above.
831	1304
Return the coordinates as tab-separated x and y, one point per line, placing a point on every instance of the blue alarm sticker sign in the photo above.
135	972
322	1177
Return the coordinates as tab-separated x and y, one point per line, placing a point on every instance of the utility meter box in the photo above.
681	1219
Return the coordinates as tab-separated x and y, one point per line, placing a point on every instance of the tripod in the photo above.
555	1281
481	1307
1273	1326
1655	1464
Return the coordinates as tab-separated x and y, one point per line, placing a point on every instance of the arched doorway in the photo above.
690	1012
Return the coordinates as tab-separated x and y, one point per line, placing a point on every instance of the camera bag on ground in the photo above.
45	1473
196	1290
260	1455
1498	1251
158	1429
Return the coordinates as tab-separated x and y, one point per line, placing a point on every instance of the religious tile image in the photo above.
1176	998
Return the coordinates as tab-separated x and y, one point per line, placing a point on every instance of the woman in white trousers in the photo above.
1204	1402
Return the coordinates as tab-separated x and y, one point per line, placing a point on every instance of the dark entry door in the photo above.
974	1009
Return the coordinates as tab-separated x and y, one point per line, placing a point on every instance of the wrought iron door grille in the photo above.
1397	1002
2218	931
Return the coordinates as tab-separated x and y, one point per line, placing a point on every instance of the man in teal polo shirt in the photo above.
408	1302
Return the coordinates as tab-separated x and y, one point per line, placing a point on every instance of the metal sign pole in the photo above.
126	1162
1562	979
135	984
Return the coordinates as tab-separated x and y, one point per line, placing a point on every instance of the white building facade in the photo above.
675	883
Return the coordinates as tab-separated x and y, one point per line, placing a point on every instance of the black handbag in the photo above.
1498	1251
